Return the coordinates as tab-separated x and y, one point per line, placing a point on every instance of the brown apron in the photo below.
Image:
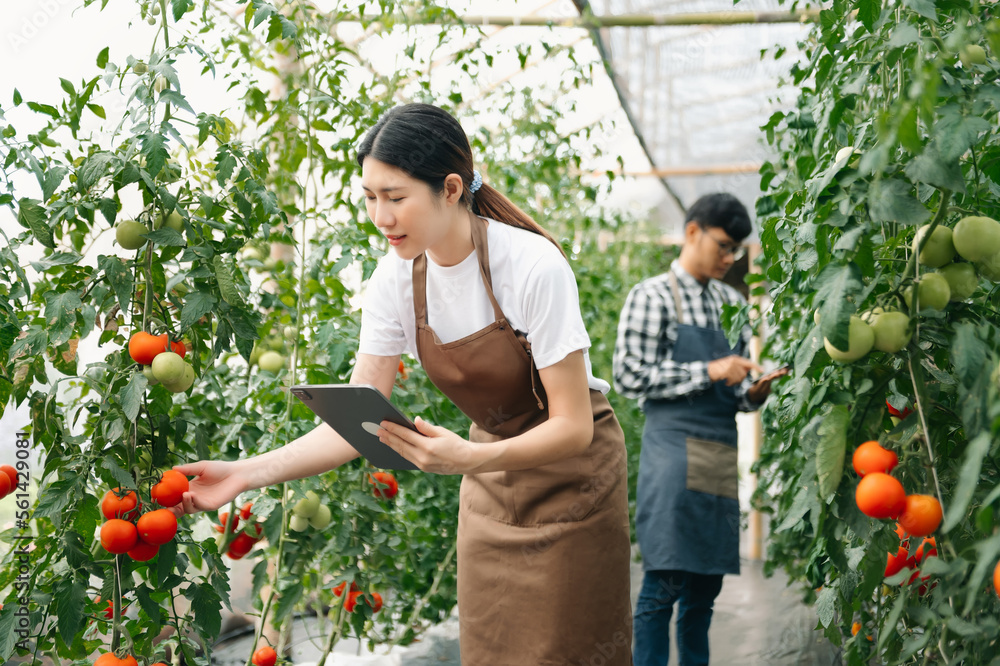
543	553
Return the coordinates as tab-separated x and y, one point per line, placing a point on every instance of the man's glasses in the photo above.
736	250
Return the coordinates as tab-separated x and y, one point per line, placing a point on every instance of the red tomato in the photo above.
109	659
246	511
116	504
265	656
143	552
240	545
352	600
157	527
5	487
118	536
376	602
339	589
385	484
11	474
171	488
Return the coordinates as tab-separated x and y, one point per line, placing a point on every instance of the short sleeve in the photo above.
551	308
382	331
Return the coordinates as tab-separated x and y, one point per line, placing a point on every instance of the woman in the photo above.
487	302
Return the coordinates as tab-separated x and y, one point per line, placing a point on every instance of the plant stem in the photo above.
415	613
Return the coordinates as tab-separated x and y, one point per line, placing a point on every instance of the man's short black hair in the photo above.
721	210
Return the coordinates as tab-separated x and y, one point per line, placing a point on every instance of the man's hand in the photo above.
760	389
732	369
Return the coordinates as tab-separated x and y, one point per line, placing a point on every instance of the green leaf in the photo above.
17	97
925	8
102	57
150	608
225	164
868	12
836	286
290	596
70	598
120	279
892	201
60	315
196	306
227	286
155	150
32	215
98	111
131	395
932	168
180	7
955	133
969	354
94	168
51	180
826	604
734	319
166	237
831	449
207	608
968	481
32	344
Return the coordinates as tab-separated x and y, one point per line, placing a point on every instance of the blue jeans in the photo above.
695	595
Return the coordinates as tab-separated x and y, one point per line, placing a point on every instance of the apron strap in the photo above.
483	252
420	289
478	226
675	289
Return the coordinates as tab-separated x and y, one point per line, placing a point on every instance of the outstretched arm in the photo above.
217	482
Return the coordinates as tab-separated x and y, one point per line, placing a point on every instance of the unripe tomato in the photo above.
128	233
977	238
932	292
157	527
307	506
892	331
972	54
939	250
168	368
184	383
118	536
860	338
321	518
962	280
271	361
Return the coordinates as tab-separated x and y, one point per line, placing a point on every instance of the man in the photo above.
672	354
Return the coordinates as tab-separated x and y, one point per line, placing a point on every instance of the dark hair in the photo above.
428	144
723	211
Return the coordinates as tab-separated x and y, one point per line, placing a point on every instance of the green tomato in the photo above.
168	368
174	221
128	233
989	268
184	383
271	361
298	523
860	339
291	333
147	370
977	238
139	67
932	292
253	253
160	84
939	250
972	54
307	506
892	331
322	517
255	353
962	280
816	317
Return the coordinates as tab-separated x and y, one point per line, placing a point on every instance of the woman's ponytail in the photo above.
490	203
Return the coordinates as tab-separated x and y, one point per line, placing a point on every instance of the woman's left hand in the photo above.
433	448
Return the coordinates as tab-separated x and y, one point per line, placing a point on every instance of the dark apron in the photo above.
687	508
543	553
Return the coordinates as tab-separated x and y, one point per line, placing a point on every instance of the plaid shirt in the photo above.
643	364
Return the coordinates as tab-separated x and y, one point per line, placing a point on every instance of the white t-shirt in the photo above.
532	282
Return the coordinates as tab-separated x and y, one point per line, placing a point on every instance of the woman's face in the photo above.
410	215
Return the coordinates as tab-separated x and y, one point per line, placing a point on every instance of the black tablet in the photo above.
355	411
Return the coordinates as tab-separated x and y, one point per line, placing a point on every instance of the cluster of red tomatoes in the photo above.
243	542
8	480
880	495
140	536
162	360
355	593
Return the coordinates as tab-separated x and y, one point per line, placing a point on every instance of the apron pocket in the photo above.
712	468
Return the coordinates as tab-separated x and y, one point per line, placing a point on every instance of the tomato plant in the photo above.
252	241
910	86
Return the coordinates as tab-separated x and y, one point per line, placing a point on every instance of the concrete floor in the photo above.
757	621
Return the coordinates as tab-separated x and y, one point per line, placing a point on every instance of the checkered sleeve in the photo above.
642	364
